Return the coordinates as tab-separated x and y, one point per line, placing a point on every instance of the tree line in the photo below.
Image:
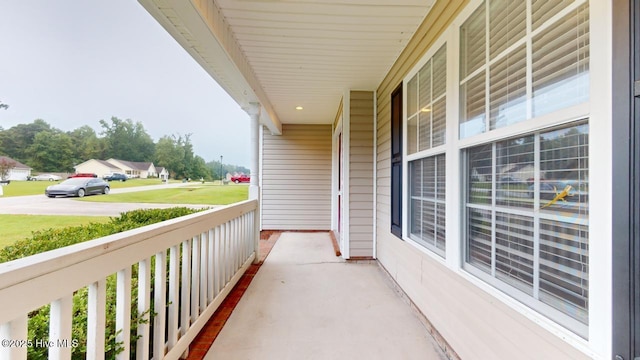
48	149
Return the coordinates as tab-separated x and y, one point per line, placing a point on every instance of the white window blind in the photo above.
427	204
561	63
426	106
527	220
494	62
507	24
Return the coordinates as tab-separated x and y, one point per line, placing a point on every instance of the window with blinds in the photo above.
498	50
527	220
426	130
426	104
427	202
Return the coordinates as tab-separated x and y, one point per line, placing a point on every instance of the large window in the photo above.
426	134
526	196
516	65
527	220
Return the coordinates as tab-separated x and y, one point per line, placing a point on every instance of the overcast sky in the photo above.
72	63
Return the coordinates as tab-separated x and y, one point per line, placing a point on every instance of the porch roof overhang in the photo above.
281	54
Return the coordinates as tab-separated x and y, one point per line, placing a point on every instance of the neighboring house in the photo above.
20	170
163	173
98	167
135	169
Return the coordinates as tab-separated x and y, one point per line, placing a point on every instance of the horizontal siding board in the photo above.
296	178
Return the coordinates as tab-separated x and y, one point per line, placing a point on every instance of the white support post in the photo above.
254	185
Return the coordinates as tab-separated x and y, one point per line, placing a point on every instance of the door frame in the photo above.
337	198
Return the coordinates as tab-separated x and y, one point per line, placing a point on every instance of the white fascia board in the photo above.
199	27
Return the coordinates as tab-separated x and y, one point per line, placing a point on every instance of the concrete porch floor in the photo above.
306	303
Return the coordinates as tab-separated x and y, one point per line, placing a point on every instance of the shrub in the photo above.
51	239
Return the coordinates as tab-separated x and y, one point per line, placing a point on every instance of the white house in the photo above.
98	167
163	173
135	169
19	172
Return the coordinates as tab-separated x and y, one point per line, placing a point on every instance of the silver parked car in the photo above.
46	177
78	187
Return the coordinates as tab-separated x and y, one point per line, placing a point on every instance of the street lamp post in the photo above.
221	174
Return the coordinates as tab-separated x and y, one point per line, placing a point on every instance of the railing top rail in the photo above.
60	271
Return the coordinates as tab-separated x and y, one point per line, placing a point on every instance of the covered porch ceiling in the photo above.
285	54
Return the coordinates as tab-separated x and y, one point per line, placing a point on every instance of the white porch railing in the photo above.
196	261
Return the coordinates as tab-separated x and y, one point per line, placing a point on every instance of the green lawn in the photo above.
19	227
201	194
21	188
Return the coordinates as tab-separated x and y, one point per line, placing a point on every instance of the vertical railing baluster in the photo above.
159	304
217	268
210	266
247	231
195	276
185	306
60	323
15	330
173	304
223	256
236	245
185	292
123	312
144	307
229	256
96	319
203	271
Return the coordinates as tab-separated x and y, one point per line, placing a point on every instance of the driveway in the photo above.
42	205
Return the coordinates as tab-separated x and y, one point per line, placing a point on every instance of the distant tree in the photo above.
16	140
169	155
51	151
198	169
5	167
86	144
127	140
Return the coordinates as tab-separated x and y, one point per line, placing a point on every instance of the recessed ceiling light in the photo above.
298	107
425	109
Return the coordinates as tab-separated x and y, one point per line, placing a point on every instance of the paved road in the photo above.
42	205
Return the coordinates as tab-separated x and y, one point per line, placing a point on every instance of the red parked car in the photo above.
241	179
82	175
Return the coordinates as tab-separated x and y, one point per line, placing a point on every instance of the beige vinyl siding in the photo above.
296	178
361	173
475	324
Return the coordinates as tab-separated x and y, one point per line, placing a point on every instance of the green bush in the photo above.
51	239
